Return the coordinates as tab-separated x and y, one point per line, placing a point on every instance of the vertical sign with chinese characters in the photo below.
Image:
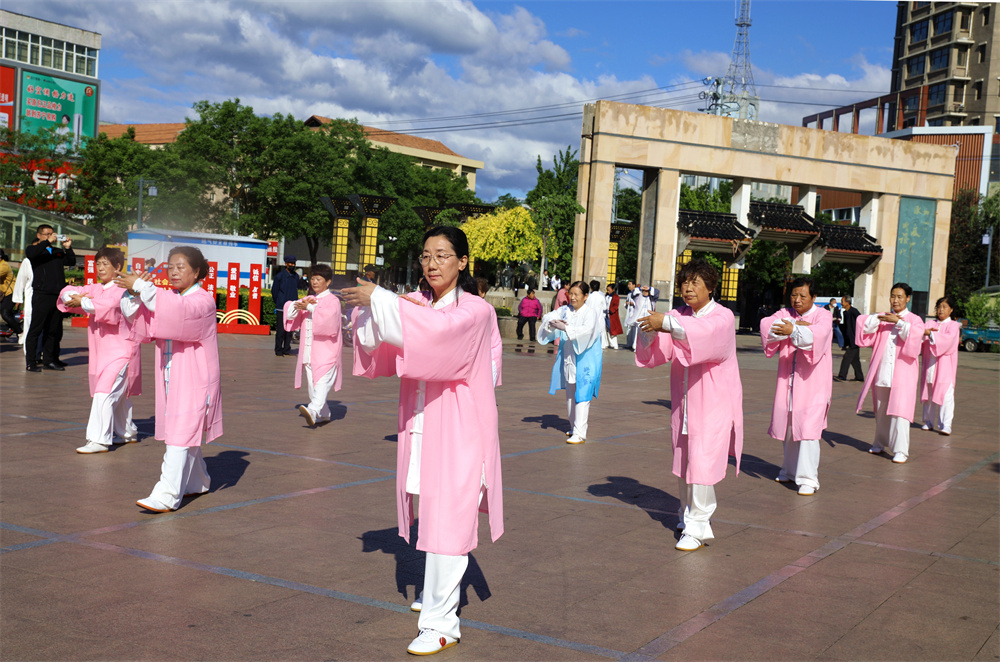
254	306
233	287
89	270
209	281
138	265
7	98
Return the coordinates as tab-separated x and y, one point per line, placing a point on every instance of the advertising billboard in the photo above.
50	101
6	97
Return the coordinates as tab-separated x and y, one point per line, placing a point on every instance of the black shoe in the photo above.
858	379
33	368
60	363
288	353
278	354
54	366
838	378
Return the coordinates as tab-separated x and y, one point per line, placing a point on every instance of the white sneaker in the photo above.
92	447
925	427
149	503
322	419
782	479
805	490
899	458
875	450
688	543
429	642
418	603
575	439
306	414
119	441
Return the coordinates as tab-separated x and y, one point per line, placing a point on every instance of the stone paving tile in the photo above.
586	569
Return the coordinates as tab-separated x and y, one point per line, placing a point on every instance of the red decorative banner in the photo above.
209	282
272	248
254	306
89	270
233	287
138	265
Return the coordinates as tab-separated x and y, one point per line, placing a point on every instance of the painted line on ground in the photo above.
696	624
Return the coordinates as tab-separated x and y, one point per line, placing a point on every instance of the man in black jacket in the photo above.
48	263
851	350
284	288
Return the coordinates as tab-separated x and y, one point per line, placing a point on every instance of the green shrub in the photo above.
980	310
502	312
267	315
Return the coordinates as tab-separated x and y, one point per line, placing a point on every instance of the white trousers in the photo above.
317	406
696	509
630	332
892	433
939	417
442	582
801	461
111	414
183	472
578	412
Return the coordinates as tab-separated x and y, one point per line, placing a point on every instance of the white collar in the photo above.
322	294
705	310
108	285
451	297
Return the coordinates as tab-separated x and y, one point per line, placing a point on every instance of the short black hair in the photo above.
44	226
595	285
948	299
580	285
323	270
695	268
803	281
902	286
113	255
193	257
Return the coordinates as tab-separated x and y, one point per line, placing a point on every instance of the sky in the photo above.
499	82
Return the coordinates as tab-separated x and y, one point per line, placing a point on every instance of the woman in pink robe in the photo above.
445	347
801	337
939	367
895	338
317	317
182	321
113	364
706	395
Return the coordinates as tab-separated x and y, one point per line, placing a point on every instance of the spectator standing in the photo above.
284	288
528	311
837	318
614	323
48	264
852	353
7	297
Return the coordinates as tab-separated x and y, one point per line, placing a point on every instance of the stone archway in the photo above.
906	186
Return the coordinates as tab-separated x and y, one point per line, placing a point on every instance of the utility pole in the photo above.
739	94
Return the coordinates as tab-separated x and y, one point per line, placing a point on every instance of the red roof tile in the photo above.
392	138
149	134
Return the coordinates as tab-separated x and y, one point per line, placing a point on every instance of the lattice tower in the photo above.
739	95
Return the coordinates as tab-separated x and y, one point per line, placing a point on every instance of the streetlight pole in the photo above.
152	192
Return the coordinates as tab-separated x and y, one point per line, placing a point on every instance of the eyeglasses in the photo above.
439	258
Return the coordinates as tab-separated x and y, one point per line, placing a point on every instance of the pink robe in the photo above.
714	397
193	405
327	341
945	349
905	372
454	351
109	340
813	382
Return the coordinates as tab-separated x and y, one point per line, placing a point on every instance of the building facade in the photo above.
945	50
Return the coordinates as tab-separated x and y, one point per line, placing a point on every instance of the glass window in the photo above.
91	64
81	65
36	54
920	5
977	89
68	64
61	45
46	57
910	103
996	125
57	59
986	15
937	122
915	66
966	16
46	41
939	59
981	54
918	31
22	51
961	57
10	49
936	94
943	23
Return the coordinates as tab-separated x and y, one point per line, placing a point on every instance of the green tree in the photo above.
966	269
508	235
629	206
558	215
507	201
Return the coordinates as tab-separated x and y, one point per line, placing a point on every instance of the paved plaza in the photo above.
294	554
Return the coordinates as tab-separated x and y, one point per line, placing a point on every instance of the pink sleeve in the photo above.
710	339
442	345
946	340
380	362
822	330
107	309
326	319
62	306
658	352
291	322
184	318
770	348
914	339
861	338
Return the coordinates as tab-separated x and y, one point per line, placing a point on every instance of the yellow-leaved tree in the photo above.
504	235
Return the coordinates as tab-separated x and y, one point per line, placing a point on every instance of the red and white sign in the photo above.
272	248
138	265
7	98
233	287
89	270
209	282
255	275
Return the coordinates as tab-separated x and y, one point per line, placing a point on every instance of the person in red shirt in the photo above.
529	310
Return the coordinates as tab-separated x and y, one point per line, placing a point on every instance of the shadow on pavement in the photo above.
548	421
226	469
659	505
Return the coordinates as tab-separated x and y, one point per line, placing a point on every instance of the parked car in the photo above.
976	338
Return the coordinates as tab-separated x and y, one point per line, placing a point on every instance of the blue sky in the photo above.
389	62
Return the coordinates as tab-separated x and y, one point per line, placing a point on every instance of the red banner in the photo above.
138	265
89	270
254	307
233	287
209	282
7	98
272	248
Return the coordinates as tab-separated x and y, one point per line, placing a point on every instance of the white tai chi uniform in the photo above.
22	294
891	432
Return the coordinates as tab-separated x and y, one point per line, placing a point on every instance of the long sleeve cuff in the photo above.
871	324
671	325
802	337
87	305
380	322
147	293
903	329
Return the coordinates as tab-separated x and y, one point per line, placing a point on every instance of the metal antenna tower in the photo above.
739	95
